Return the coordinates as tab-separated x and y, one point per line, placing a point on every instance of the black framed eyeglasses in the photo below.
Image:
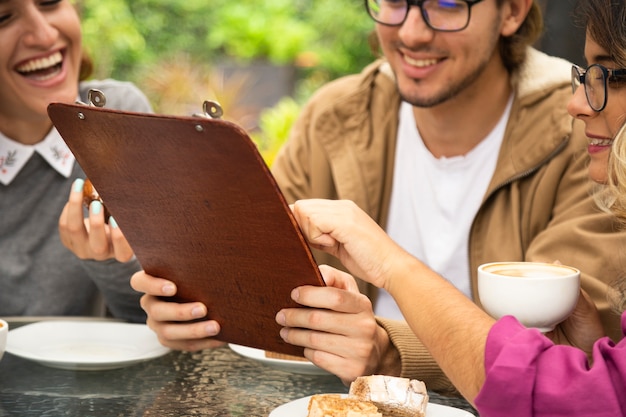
440	15
595	79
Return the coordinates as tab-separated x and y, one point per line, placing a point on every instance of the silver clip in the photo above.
211	110
95	97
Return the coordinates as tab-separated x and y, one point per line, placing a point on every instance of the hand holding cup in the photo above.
539	295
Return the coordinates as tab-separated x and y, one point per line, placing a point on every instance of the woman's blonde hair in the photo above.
613	199
604	22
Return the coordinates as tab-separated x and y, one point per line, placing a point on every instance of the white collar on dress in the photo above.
14	155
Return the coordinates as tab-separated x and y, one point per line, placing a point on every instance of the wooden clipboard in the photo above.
200	207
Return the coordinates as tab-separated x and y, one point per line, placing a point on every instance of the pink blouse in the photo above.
529	376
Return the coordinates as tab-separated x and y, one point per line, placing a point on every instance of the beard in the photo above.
448	93
489	48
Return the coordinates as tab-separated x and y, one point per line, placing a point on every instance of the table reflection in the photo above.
216	382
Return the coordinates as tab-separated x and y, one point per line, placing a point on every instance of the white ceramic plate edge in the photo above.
299	408
66	332
298	367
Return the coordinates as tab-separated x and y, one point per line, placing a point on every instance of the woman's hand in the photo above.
345	231
337	328
582	328
91	238
172	321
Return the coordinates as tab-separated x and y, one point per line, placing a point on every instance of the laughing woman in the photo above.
41	61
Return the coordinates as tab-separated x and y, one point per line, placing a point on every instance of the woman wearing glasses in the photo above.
502	367
601	121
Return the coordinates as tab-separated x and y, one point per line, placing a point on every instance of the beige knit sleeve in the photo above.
417	363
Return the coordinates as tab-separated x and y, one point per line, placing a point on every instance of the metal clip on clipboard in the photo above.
210	109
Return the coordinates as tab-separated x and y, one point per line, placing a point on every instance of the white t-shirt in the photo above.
434	202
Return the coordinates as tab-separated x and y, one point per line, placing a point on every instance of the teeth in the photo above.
41	63
420	62
600	142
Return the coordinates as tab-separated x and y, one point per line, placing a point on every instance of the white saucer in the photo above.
299	408
85	345
296	367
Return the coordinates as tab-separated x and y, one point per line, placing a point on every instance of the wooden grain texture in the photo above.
198	206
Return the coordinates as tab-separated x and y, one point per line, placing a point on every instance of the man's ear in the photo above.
514	13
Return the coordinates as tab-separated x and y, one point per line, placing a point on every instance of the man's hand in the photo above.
337	328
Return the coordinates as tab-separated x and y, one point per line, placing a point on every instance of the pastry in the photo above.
394	396
333	405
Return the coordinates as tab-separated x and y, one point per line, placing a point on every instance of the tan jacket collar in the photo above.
358	129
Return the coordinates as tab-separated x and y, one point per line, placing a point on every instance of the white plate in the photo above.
299	408
85	345
296	367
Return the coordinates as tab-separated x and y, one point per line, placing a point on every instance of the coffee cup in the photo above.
539	295
4	331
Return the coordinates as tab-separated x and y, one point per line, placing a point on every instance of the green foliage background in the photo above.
126	36
169	48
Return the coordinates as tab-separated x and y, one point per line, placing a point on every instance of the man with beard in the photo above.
458	143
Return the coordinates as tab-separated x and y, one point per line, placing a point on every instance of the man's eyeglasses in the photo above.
595	79
440	15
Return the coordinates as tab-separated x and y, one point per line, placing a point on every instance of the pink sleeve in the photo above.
528	376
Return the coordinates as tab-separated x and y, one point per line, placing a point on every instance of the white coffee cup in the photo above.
539	295
4	331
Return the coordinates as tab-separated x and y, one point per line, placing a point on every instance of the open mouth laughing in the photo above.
42	69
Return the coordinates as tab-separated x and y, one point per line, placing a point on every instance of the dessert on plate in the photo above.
374	396
334	405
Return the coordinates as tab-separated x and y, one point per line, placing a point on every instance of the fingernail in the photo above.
211	329
78	185
283	333
96	207
112	222
197	312
295	294
168	289
280	318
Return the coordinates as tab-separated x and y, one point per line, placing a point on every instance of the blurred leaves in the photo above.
172	50
180	86
275	124
328	37
248	29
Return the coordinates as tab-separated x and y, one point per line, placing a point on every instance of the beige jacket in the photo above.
538	206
